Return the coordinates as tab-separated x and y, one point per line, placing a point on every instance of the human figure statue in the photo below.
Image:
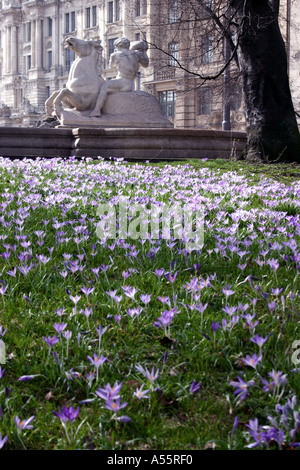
127	61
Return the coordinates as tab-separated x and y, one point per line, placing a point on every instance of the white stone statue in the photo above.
84	80
90	101
127	62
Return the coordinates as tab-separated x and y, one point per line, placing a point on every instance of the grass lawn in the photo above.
141	344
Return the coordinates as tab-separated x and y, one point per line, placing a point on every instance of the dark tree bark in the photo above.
272	129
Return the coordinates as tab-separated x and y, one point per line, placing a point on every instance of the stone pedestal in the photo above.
135	109
132	144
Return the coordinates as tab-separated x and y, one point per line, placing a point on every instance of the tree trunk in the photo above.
272	128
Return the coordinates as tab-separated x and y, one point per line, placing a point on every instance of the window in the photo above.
207	49
27	31
173	51
205	101
138	8
49	54
47	92
137	36
94	16
118	10
208	3
70	24
49	27
173	11
111	46
73	23
144	9
168	101
69	58
110	12
88	17
235	98
27	63
67	22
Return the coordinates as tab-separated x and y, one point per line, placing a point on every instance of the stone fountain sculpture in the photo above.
90	101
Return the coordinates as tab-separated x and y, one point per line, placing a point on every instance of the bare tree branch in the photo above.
197	74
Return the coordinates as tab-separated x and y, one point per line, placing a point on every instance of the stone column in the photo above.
33	44
14	49
8	49
4	42
39	43
55	45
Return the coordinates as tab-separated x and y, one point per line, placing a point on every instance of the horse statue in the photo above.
84	80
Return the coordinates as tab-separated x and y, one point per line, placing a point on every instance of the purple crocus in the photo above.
151	376
59	327
159	272
67	414
171	277
194	388
115	405
164	320
241	387
145	298
249	320
140	393
227	291
215	326
252	361
259	341
2	332
2	440
109	392
96	360
23	424
51	341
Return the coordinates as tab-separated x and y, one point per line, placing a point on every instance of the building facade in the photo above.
34	62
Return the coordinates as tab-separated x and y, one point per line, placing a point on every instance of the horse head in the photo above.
83	47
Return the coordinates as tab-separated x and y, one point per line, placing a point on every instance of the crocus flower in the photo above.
97	361
252	361
159	272
59	327
171	277
134	311
249	320
24	424
2	440
195	387
215	326
229	310
26	378
145	298
259	340
241	387
115	405
152	376
67	414
140	393
227	291
109	392
2	332
164	320
51	341
75	299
